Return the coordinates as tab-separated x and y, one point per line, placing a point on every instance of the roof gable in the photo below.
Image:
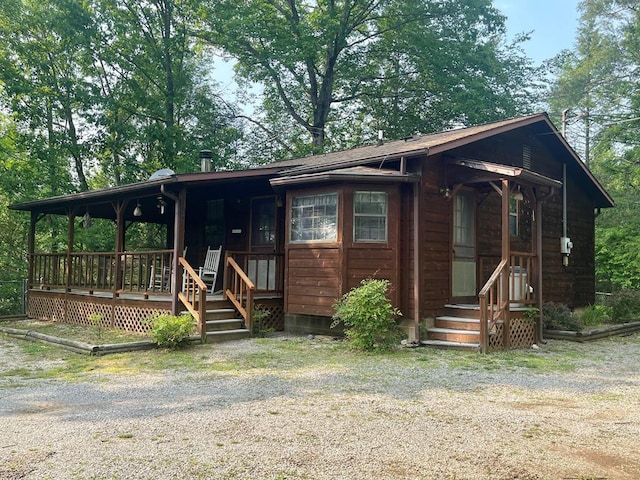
436	143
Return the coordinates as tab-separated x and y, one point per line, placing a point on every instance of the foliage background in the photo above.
98	93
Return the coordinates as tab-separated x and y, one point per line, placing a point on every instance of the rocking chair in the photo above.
209	271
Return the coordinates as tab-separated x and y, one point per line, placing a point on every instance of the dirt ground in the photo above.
295	408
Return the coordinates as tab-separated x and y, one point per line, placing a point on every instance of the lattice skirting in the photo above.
275	314
76	311
522	334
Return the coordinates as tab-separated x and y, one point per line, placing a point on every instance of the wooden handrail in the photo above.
493	278
509	283
239	289
194	297
494	304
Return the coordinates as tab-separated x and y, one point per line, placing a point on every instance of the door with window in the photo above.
463	274
261	264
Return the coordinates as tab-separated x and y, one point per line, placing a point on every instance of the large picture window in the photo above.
314	218
370	216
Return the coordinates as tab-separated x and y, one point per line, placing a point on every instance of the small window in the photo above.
514	212
314	218
370	216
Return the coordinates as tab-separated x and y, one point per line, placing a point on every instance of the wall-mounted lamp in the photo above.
517	195
137	212
161	204
446	193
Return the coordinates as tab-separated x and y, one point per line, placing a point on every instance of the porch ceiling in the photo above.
100	203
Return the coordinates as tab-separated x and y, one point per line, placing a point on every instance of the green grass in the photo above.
290	357
88	334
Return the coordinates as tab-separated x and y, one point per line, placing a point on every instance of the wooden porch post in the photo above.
506	254
540	329
178	245
119	207
31	249
71	216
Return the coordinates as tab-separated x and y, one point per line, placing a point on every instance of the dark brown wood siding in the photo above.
317	274
313	279
435	234
573	285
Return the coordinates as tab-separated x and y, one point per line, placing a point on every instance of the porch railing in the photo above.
129	272
265	270
507	285
492	304
239	289
194	296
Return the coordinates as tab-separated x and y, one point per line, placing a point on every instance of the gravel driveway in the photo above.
415	415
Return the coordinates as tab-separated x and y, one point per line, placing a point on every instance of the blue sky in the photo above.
553	23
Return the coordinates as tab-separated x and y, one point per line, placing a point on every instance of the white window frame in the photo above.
321	217
364	216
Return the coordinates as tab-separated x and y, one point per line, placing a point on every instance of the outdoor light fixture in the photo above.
161	204
137	212
517	195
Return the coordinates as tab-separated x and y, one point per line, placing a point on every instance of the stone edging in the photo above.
588	335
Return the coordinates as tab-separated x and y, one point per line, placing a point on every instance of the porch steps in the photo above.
224	324
458	329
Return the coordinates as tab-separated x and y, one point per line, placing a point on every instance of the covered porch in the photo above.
496	259
236	212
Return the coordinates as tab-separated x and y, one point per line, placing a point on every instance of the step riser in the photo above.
227	336
459	336
469	326
221	314
471	347
221	326
463	313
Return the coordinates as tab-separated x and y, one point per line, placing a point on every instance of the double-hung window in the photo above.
314	218
370	216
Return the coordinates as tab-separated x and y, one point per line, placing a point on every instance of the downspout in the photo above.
565	256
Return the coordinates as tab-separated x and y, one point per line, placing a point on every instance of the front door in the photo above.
463	274
262	268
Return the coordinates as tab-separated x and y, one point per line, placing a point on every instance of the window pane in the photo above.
370	216
314	217
514	208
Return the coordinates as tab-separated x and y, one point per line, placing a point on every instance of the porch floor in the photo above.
158	297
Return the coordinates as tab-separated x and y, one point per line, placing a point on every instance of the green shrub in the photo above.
624	305
557	316
171	331
259	321
368	316
595	315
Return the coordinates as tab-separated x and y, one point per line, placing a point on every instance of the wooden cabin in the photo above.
473	227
